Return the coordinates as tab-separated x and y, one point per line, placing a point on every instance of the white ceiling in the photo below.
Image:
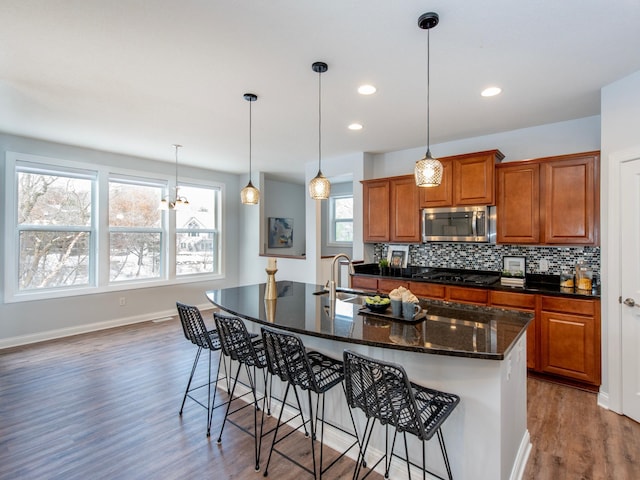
136	76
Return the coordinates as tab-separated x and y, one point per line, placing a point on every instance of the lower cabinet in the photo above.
563	340
570	338
527	303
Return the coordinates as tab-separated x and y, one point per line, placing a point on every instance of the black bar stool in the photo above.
247	350
383	392
311	371
197	333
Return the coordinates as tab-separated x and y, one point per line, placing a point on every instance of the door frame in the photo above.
610	395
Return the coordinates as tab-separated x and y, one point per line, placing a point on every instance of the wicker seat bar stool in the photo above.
312	371
239	345
196	332
383	392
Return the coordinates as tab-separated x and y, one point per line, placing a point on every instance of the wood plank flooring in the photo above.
105	406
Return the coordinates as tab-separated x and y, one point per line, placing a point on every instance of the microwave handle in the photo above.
474	224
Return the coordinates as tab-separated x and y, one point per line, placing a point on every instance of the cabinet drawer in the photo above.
469	295
427	290
513	300
385	285
366	283
569	305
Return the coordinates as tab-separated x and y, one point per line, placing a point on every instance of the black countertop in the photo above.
535	283
447	328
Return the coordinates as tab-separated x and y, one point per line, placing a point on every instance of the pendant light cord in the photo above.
428	89
319	121
250	123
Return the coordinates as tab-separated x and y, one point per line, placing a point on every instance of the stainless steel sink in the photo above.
348	297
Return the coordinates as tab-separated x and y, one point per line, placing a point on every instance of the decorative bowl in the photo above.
377	304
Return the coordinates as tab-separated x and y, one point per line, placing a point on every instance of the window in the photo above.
341	219
135	230
55	227
197	232
75	228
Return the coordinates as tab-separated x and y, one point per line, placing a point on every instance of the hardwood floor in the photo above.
105	406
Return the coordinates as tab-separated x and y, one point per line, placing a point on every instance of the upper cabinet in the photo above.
466	180
552	201
391	212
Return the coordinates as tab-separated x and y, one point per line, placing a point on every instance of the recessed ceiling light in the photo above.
355	126
491	91
366	89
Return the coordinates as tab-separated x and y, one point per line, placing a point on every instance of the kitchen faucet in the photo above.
332	282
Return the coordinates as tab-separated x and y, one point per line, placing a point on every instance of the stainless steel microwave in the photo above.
459	224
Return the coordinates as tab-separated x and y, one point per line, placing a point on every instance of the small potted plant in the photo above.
384	266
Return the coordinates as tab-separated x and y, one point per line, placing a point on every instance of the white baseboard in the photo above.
603	399
89	327
522	457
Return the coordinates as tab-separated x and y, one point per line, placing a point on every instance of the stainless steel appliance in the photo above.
459	224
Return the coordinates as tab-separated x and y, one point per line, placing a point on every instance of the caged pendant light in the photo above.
179	203
250	195
428	171
319	187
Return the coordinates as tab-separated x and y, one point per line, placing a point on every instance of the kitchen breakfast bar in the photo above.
477	353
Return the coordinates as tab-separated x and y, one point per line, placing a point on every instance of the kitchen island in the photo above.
475	352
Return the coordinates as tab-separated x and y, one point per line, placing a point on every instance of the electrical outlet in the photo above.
544	265
123	301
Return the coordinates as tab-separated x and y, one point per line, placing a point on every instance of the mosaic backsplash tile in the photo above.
483	256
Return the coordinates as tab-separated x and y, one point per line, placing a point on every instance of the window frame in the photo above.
100	212
332	221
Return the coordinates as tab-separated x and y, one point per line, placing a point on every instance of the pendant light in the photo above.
428	171
250	195
319	187
179	203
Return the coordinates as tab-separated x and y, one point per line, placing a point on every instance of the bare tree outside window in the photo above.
54	230
135	231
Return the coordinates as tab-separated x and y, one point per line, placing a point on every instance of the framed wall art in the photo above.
280	232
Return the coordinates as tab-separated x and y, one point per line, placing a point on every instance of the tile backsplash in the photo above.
482	256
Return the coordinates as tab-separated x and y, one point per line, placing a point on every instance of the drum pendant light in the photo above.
250	195
319	187
428	171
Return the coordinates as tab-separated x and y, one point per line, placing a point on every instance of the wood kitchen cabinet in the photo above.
570	338
552	201
527	303
467	180
390	212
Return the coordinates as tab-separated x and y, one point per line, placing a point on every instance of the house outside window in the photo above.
197	232
341	220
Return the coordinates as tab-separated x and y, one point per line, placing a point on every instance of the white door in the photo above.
630	278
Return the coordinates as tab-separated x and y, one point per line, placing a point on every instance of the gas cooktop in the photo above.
461	277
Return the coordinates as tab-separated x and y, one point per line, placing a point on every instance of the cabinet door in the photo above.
518	210
570	194
442	195
427	290
474	179
476	296
404	211
368	284
525	302
375	197
385	285
570	346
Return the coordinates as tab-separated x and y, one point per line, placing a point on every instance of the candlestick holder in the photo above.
270	290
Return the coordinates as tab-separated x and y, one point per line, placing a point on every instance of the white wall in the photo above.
573	136
30	321
620	112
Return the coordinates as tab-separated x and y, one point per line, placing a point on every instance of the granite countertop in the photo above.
535	283
446	329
